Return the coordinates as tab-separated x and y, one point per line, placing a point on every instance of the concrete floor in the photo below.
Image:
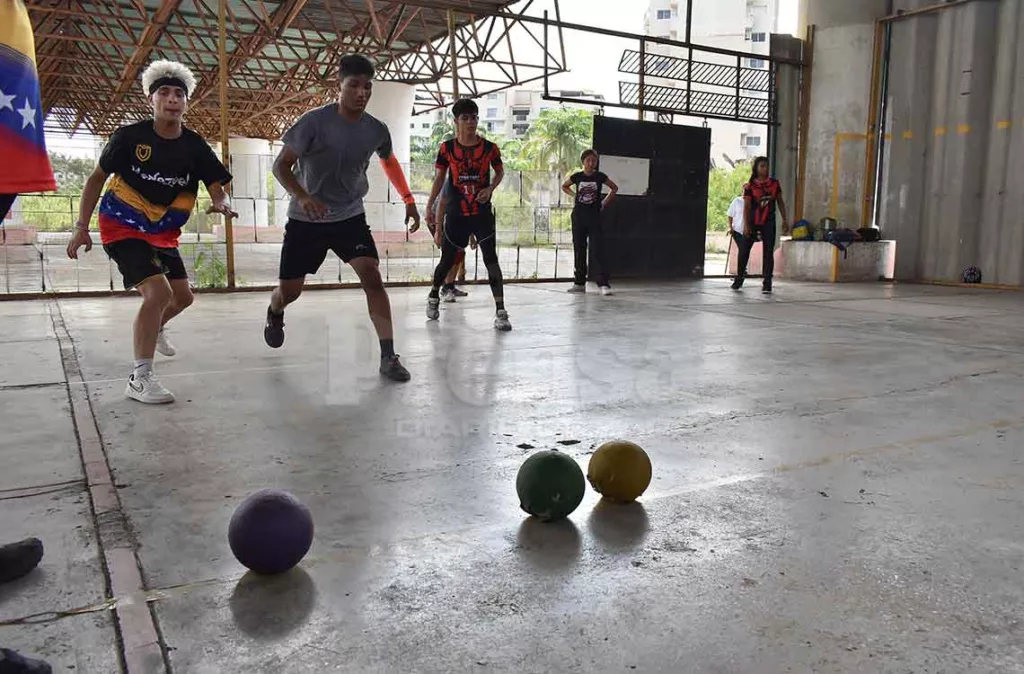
837	488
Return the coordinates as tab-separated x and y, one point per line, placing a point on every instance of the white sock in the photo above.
143	366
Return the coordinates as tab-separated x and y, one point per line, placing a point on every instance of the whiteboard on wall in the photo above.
631	174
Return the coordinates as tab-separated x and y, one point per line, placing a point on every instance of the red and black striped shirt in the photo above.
763	196
469	171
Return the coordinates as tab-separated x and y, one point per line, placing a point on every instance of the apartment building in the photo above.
739	25
510	113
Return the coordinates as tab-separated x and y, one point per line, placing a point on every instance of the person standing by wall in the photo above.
761	196
588	204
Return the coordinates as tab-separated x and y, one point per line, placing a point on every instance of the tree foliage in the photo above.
557	138
724	185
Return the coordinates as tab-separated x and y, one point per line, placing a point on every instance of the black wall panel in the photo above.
661	234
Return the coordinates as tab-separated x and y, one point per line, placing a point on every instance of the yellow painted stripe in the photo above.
963	129
16	29
1004	124
185	201
941	131
834	271
907	135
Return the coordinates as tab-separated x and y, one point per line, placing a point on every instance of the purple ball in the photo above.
270	532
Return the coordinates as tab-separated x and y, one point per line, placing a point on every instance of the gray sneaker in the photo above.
501	321
447	296
433	308
393	369
578	288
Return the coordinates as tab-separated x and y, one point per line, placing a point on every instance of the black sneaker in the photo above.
273	332
17	559
393	369
737	283
766	288
13	663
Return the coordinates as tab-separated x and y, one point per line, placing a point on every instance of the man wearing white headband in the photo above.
156	166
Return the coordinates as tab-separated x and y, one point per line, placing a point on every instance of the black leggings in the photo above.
766	233
586	224
489	253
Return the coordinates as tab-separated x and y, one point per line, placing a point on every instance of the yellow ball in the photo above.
620	471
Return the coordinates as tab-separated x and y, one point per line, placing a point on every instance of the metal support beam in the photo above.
222	47
643	69
453	50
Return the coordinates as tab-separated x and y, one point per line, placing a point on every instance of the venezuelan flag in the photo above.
25	166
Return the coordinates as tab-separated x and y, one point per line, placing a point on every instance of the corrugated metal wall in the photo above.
953	171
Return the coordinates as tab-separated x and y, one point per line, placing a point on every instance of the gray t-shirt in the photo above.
334	154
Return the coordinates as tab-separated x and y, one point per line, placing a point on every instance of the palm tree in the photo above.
558	137
424	150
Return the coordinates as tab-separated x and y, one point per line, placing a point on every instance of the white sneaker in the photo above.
146	388
163	345
447	295
605	290
578	288
433	310
501	321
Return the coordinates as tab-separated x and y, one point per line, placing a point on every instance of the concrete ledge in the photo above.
18	235
754	265
822	262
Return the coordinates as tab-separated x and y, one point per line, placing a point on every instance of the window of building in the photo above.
758	37
664	14
755	63
492	112
746	34
492	97
747	140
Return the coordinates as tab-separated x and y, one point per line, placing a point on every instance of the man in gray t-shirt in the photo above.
334	154
323	167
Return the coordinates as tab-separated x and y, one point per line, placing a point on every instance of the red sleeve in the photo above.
496	157
443	162
748	191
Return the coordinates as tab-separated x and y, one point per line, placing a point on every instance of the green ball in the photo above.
550	485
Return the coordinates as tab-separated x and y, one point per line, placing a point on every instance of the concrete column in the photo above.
788	107
392	104
844	35
250	165
281	196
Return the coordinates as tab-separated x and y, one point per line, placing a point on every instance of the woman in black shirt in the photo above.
589	201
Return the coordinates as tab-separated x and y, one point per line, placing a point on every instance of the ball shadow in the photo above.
271	607
549	546
618	526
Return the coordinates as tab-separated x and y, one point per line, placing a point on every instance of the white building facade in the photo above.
509	113
738	25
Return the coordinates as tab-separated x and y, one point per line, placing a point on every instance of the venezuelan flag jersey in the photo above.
25	166
154	184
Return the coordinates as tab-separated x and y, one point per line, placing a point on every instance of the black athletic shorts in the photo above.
306	244
138	259
458	228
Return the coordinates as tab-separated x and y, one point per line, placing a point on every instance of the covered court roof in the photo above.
281	55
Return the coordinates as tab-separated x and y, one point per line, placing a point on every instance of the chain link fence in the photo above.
533	217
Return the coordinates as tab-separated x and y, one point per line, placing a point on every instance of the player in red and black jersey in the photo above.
760	197
466	162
